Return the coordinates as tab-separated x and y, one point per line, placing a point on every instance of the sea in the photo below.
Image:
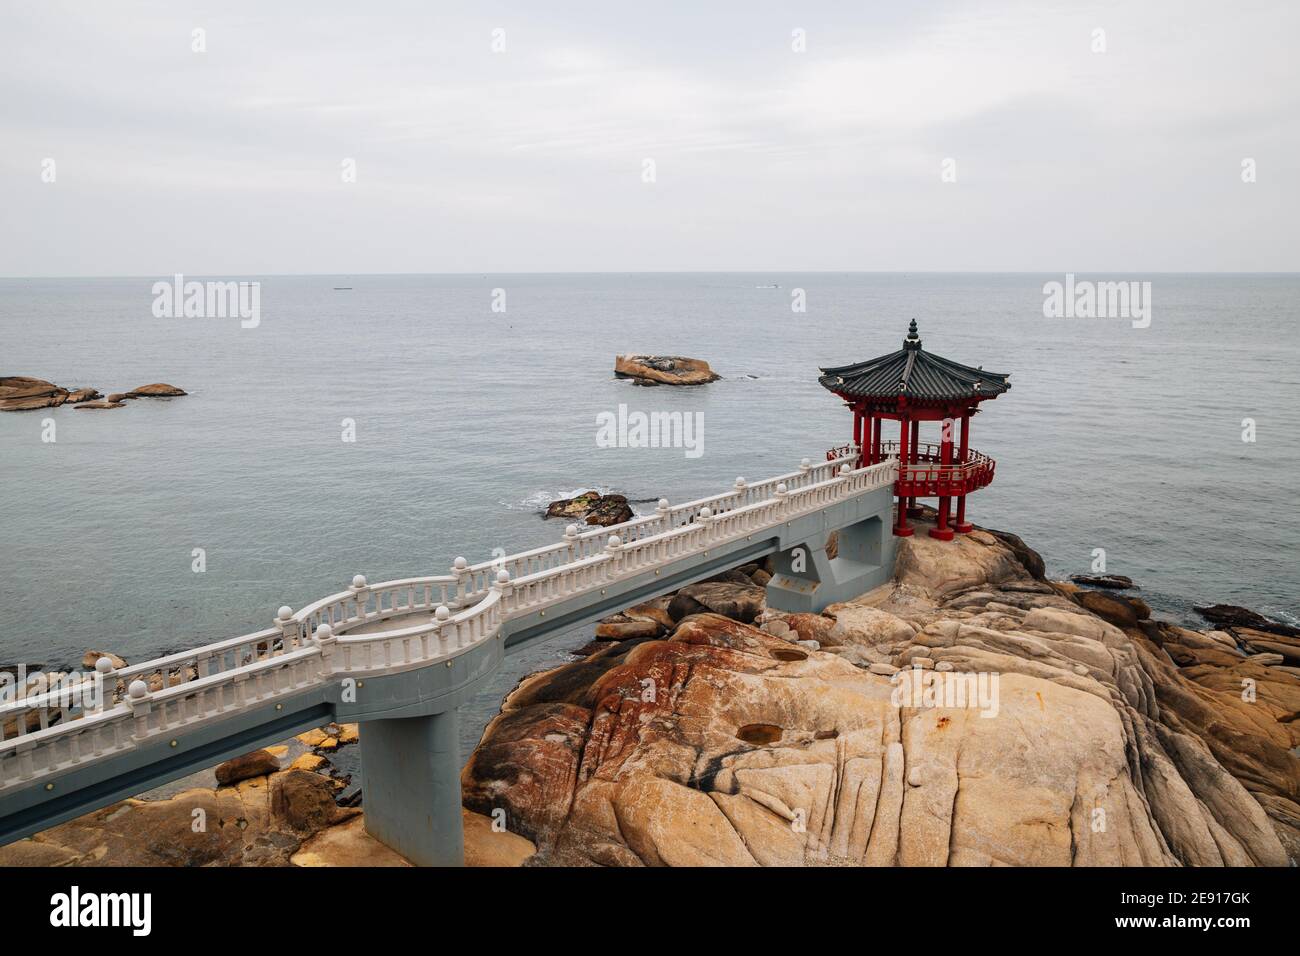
1170	448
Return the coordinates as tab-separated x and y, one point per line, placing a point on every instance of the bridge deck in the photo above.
418	646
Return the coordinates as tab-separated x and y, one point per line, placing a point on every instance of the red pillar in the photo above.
900	526
857	430
915	446
941	529
962	526
877	455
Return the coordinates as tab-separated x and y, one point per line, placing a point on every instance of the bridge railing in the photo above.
38	736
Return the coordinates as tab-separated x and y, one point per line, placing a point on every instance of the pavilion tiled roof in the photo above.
916	374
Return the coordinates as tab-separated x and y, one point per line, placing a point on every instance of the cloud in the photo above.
766	158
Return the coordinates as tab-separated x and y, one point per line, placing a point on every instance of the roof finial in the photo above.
913	340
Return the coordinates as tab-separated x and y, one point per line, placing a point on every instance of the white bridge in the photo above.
401	656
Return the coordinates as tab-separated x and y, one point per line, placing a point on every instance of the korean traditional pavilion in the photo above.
912	386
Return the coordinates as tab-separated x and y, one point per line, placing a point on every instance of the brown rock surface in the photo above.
1231	614
259	763
156	390
1116	608
91	658
726	744
259	822
593	508
1118	582
19	393
664	369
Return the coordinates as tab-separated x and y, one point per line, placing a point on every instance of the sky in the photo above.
610	137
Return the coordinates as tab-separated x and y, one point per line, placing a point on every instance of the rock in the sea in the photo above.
664	369
1117	582
1235	616
18	393
117	398
259	763
99	403
82	395
156	390
593	508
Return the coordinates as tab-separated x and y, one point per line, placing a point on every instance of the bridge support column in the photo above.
411	787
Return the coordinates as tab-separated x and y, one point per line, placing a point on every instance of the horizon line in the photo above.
664	272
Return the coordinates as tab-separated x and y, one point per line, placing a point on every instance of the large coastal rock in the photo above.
18	393
819	739
664	369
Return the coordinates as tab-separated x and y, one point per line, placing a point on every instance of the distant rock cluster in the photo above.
19	393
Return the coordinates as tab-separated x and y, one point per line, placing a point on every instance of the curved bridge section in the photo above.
400	656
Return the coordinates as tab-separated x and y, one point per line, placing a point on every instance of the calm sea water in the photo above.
467	421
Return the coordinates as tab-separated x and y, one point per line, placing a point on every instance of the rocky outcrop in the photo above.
260	822
156	390
592	507
259	763
90	659
1116	582
19	393
1119	609
664	370
838	738
1235	616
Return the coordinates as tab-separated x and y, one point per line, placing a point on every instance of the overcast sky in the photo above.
229	162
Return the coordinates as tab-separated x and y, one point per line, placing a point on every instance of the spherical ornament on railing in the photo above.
442	613
663	504
706	513
284	613
805	463
740	482
324	632
571	531
104	665
460	564
781	489
138	690
359	581
845	469
614	542
503	576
